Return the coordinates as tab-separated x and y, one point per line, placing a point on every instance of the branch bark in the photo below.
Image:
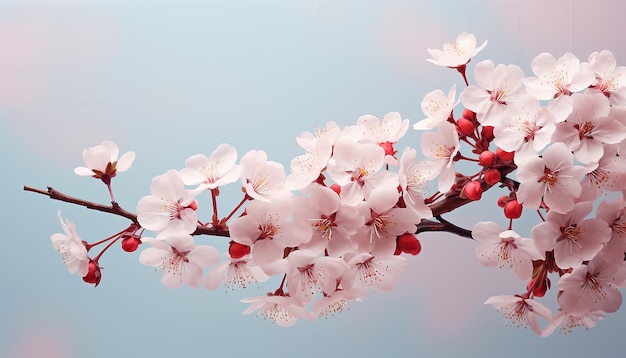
445	205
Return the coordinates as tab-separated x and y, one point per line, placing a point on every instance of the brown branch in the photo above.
453	201
114	209
443	225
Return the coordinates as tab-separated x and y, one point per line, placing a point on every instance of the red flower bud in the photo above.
492	176
539	287
465	126
237	250
472	190
408	243
488	133
513	209
468	114
505	156
94	275
130	243
503	200
486	158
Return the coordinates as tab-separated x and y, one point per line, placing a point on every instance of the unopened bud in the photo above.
94	275
488	133
539	287
486	158
237	250
513	209
408	243
503	200
468	114
472	190
504	155
492	176
130	243
465	126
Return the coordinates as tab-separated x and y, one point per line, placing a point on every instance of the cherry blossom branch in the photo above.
114	209
443	225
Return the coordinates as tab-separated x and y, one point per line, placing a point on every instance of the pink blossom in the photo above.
268	228
525	128
368	271
307	168
520	312
552	177
608	174
281	310
588	127
353	167
71	247
504	248
235	272
591	287
437	107
102	161
573	238
262	179
332	304
610	79
170	206
566	322
498	88
556	80
332	222
214	171
387	130
614	213
308	274
413	182
441	148
456	53
180	259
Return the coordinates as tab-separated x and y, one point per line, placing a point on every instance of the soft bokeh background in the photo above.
171	79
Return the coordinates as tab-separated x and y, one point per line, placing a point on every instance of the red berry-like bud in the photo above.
513	209
237	250
465	126
487	158
130	243
505	156
539	287
503	200
472	190
488	133
468	114
492	176
336	188
94	275
409	244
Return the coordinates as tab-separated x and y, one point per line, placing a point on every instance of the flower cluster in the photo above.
342	221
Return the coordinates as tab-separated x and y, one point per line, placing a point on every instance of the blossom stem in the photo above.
224	220
131	227
111	193
95	259
214	193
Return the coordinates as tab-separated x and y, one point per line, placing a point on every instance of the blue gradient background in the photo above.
171	79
